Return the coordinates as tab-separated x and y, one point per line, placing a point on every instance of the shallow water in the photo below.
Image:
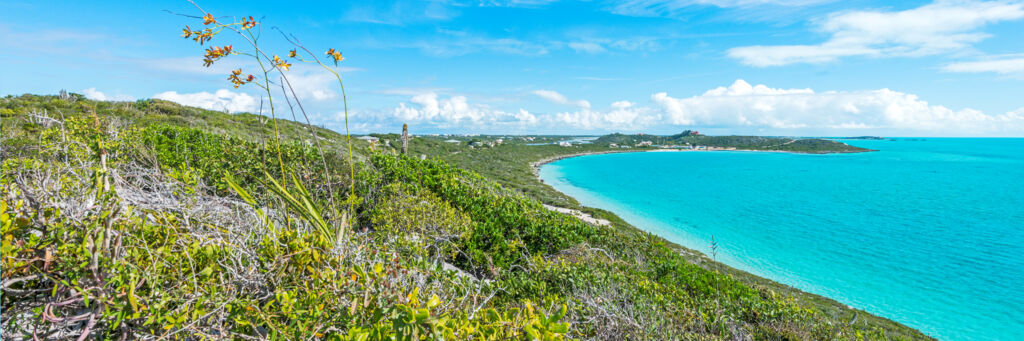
927	232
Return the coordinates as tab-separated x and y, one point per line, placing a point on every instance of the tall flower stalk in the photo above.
250	30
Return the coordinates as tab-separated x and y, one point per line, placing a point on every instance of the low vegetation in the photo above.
115	229
149	220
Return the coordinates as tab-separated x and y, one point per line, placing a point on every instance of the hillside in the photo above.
148	219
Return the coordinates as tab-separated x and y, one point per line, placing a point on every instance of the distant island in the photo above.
862	138
694	140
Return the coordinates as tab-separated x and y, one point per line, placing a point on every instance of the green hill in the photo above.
148	219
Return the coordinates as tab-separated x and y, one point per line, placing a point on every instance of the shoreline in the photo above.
535	166
826	304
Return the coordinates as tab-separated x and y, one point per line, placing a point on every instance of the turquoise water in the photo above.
927	232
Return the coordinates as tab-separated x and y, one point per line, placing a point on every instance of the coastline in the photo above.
826	304
535	166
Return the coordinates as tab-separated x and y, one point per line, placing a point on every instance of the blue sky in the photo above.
770	67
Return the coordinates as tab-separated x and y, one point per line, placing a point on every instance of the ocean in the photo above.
928	232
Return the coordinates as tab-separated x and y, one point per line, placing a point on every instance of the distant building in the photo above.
644	144
453	141
368	138
565	144
613	145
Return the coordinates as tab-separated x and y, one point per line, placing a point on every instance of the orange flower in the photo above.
238	81
281	63
292	53
336	55
202	36
214	53
187	32
208	19
248	23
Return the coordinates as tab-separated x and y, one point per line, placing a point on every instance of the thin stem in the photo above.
312	132
344	98
270	100
291	108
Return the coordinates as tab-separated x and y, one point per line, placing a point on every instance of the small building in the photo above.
565	144
613	145
452	141
368	138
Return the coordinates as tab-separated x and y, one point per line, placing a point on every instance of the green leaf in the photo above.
560	328
433	302
206	272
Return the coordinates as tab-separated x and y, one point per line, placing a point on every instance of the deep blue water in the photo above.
927	232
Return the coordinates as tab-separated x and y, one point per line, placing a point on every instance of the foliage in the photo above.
120	222
125	253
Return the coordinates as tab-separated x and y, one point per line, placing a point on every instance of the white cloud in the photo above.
317	86
621	115
673	7
456	111
525	117
779	55
93	94
662	7
940	27
222	99
744	105
448	43
1002	66
558	98
738	108
587	47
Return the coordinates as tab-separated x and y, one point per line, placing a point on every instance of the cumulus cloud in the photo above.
313	85
940	27
526	118
558	98
621	115
738	108
1002	66
222	99
456	111
93	94
744	105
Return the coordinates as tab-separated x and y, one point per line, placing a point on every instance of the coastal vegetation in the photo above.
688	138
114	228
151	220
